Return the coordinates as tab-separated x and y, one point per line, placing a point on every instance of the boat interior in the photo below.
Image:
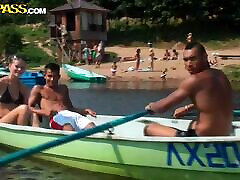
135	128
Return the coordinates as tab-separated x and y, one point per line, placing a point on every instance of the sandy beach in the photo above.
175	68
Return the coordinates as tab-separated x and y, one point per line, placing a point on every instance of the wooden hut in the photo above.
75	24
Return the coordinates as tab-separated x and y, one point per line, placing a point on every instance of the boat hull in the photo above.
79	74
141	158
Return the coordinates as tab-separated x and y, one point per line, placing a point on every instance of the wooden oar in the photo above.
236	113
65	139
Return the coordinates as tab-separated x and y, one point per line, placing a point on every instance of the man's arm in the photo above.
186	88
34	99
81	111
181	111
84	111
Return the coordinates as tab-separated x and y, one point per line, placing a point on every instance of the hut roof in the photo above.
78	4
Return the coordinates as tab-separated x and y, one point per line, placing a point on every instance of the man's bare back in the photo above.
212	98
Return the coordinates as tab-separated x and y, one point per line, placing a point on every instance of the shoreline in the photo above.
175	68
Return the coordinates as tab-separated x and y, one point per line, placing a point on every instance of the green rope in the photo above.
65	139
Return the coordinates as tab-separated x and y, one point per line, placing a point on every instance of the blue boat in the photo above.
28	78
32	78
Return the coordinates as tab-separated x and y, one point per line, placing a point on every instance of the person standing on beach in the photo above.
151	57
100	53
64	33
137	57
211	95
94	53
86	54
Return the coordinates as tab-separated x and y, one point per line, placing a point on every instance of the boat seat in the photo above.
236	131
45	122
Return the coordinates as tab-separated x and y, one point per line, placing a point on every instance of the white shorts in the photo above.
113	70
76	120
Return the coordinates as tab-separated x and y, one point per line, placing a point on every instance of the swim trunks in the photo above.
76	120
113	70
188	133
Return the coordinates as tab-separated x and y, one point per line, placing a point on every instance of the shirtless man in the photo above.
55	103
211	95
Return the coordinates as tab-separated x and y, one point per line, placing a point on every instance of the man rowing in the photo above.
211	95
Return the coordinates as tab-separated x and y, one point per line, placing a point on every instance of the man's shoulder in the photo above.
37	88
2	80
190	83
211	73
63	87
202	78
192	79
217	70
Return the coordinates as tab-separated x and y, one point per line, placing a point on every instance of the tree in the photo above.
10	40
49	4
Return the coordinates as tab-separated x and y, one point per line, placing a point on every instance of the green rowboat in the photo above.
127	152
79	74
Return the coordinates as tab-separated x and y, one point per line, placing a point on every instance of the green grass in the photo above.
224	44
215	36
35	56
233	74
37	34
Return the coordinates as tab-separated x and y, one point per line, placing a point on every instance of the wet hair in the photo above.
53	67
138	50
200	48
196	45
14	58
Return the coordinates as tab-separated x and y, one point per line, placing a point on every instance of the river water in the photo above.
113	98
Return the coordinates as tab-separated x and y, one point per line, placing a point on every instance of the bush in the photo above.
10	40
35	56
32	33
